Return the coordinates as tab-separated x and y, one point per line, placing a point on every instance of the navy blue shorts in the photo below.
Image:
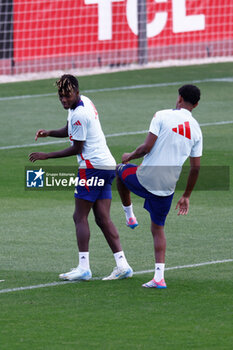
94	184
157	206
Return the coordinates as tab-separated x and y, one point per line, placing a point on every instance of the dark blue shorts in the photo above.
94	184
157	206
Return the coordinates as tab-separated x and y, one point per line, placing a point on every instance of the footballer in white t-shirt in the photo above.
174	135
96	162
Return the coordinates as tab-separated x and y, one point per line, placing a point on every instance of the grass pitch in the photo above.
37	233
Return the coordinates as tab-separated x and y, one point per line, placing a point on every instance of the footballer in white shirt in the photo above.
97	171
174	135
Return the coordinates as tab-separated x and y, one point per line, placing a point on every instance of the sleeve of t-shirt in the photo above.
79	127
155	124
196	150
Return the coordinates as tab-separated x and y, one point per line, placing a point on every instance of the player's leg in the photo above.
158	208
80	217
101	211
123	191
160	243
159	239
125	196
81	212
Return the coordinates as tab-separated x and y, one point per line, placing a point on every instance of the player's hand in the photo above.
125	158
41	133
183	206
37	156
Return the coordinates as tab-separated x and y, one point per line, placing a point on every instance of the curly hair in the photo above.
67	84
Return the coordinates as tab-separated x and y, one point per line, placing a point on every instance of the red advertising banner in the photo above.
62	28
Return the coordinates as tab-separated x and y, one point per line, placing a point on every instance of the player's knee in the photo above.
119	168
75	217
158	231
102	221
99	221
78	219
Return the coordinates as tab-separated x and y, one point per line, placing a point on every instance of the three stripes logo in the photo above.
77	123
183	130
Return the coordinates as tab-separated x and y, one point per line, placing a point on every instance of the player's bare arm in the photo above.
75	149
141	150
63	132
183	203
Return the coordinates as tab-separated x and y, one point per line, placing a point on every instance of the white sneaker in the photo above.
119	274
76	274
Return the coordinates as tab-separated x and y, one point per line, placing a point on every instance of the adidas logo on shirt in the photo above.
183	129
77	123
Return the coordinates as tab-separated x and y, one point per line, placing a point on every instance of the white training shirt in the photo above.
84	125
179	137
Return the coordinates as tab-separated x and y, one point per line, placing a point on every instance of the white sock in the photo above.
120	259
159	272
84	260
128	211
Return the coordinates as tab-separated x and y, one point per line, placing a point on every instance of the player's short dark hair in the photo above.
190	93
67	84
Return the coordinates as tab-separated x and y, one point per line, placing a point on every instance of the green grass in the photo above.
38	241
193	313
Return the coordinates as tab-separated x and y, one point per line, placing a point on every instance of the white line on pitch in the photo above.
52	284
132	87
107	136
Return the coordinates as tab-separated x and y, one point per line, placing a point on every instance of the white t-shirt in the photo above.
179	137
84	125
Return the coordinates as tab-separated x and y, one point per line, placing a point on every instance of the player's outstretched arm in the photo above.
67	152
183	203
141	150
63	132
